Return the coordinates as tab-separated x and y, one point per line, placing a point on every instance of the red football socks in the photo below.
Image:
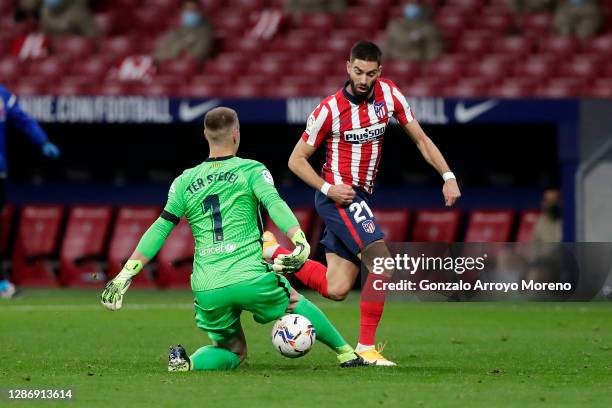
372	304
312	274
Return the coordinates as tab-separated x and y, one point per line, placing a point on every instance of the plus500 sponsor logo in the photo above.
365	135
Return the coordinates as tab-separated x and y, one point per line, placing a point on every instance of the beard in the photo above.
363	95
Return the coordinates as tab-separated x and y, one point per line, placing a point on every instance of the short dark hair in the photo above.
367	51
220	119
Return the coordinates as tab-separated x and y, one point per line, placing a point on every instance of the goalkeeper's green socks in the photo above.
214	358
325	330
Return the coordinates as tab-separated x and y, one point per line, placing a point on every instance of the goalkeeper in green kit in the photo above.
220	198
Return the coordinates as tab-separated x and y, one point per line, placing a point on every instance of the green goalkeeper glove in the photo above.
112	296
290	263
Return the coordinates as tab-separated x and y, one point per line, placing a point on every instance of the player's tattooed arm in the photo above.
434	157
298	163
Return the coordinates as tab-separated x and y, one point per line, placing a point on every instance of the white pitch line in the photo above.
64	308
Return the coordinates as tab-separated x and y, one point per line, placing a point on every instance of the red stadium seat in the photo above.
150	20
119	46
176	257
582	66
83	247
182	68
311	67
513	88
200	90
321	21
95	67
362	19
466	4
451	24
154	89
289	91
230	24
517	46
499	24
538	24
51	67
130	224
225	66
601	44
394	223
292	45
558	90
36	244
423	88
269	68
305	217
446	67
401	69
111	89
602	88
537	67
466	88
473	45
562	46
77	47
489	226
436	225
70	89
336	45
246	46
246	6
244	90
29	89
492	66
526	225
6	222
11	69
108	23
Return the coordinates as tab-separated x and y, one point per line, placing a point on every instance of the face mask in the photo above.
553	211
53	3
412	11
191	18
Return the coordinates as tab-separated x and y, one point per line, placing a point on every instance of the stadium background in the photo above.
542	125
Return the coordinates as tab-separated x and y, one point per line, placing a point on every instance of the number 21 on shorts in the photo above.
357	208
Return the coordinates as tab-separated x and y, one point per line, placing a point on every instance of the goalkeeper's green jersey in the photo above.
220	198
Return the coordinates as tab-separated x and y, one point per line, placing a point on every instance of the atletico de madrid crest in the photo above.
368	226
380	109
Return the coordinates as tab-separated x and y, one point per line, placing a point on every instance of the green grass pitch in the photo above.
449	354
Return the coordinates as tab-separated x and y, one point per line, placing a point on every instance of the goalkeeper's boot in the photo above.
270	245
354	362
178	360
372	355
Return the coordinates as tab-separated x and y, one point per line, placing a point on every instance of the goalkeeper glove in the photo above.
112	296
290	263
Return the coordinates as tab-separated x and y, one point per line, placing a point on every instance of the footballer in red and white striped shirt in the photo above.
351	125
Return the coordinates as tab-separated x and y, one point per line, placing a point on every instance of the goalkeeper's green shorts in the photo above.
217	311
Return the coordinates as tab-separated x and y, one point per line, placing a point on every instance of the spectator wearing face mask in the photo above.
580	18
193	38
549	226
61	17
414	36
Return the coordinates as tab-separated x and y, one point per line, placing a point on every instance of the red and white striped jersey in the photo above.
354	131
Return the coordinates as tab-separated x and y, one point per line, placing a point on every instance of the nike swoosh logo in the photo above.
463	114
188	113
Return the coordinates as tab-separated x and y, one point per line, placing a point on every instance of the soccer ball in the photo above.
293	335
